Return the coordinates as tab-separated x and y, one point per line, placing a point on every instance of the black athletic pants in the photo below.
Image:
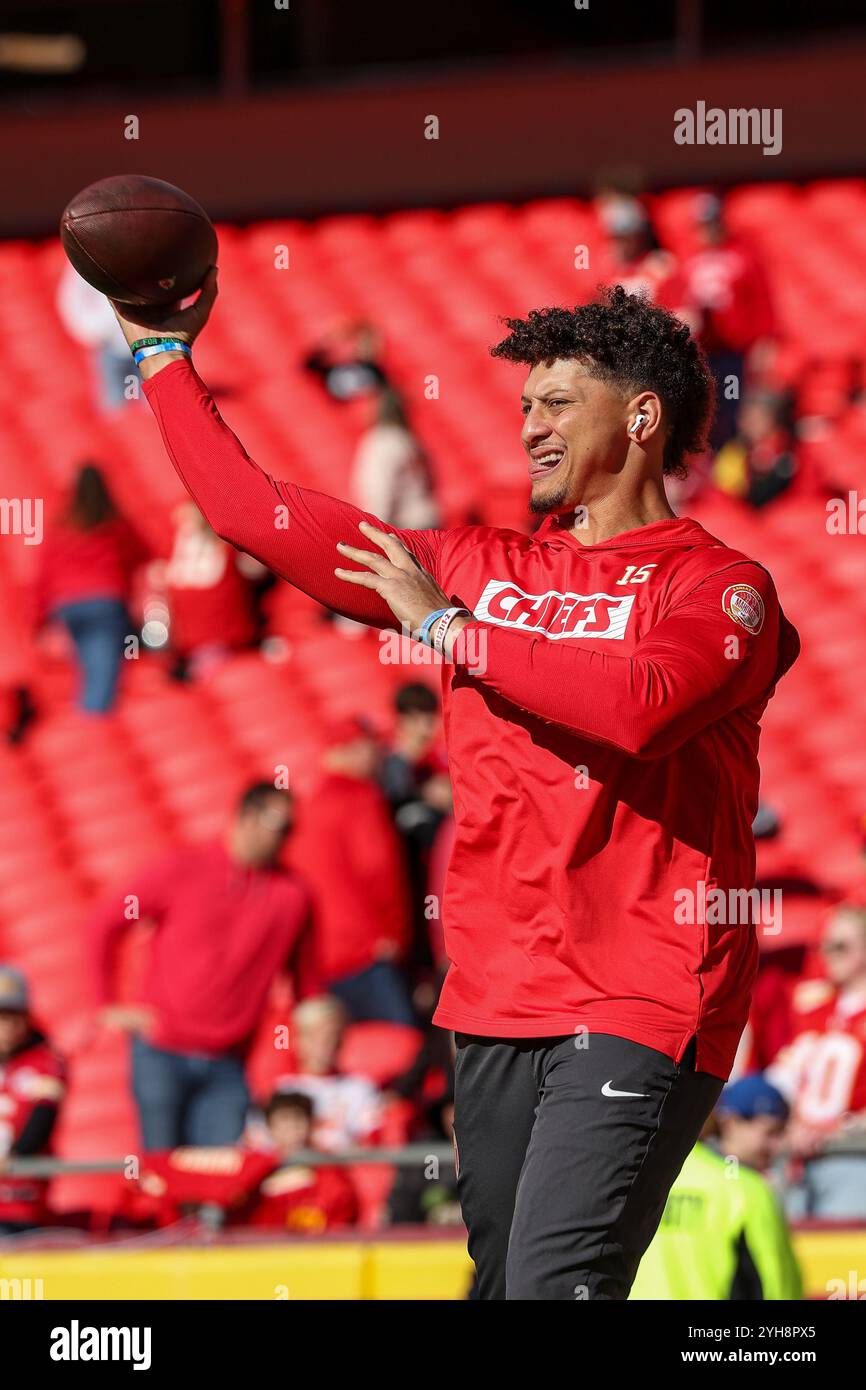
567	1149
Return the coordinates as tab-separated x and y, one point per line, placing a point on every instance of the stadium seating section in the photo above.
84	802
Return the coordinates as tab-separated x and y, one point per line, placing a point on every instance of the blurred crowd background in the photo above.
225	813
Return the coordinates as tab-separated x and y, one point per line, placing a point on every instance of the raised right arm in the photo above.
292	530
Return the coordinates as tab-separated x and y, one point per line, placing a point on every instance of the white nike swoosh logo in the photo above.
607	1090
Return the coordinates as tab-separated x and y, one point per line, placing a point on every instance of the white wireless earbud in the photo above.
639	420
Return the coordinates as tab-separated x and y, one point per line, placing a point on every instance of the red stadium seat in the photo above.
381	1051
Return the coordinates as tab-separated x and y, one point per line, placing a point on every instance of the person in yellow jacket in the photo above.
722	1234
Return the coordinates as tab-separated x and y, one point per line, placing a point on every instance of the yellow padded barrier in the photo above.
339	1269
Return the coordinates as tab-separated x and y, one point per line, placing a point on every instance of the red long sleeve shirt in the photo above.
603	748
352	860
222	934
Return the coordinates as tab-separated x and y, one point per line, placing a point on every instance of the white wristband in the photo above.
443	625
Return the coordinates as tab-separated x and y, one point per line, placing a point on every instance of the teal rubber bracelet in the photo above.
151	342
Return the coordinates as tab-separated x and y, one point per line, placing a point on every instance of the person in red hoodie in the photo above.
353	860
725	296
88	560
32	1087
227	920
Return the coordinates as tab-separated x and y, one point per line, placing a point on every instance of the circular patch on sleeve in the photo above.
745	605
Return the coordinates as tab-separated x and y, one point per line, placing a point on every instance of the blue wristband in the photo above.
423	632
168	345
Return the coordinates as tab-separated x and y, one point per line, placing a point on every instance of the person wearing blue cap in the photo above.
722	1234
751	1116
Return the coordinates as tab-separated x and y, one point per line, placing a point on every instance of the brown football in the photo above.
139	240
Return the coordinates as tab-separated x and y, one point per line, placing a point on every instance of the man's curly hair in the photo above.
629	343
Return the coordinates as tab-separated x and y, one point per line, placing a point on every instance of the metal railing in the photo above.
407	1156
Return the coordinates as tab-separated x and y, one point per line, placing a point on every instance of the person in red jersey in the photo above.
351	857
32	1087
297	1198
822	1072
603	685
210	595
227	920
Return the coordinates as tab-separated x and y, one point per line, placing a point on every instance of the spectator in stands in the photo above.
725	296
32	1087
88	560
722	1234
760	462
352	858
347	1110
751	1119
632	256
411	775
391	475
347	362
210	592
88	318
294	1198
822	1072
405	767
227	920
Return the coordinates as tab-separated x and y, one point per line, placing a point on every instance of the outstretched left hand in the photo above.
395	575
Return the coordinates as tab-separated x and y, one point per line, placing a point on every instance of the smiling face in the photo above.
575	433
